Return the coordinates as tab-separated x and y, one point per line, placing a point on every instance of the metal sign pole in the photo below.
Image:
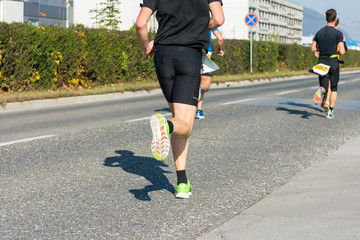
251	37
251	20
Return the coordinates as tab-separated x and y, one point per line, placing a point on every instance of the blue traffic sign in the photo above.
251	19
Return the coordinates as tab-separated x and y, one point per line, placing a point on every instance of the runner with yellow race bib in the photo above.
326	42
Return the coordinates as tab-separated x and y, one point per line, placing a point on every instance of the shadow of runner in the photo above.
163	110
304	114
147	167
303	106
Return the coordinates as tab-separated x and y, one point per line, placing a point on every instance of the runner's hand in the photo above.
220	52
150	49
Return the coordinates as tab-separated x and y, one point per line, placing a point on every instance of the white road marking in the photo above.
27	140
138	119
283	93
239	101
356	80
3	110
145	118
341	83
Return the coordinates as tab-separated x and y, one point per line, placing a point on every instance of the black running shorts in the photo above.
333	75
178	72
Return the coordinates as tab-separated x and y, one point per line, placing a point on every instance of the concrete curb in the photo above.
33	104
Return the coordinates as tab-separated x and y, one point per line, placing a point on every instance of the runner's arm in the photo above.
342	48
314	46
217	15
142	31
220	41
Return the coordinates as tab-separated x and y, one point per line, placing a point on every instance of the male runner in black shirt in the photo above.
183	33
326	41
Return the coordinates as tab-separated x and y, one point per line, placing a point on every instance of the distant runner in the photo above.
327	41
206	77
183	32
325	100
337	25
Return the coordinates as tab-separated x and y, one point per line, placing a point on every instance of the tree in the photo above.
108	15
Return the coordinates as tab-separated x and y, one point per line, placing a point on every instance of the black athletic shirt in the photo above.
182	22
328	38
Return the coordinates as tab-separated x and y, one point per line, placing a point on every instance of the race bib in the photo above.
321	69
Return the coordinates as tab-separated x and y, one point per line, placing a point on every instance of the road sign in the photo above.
251	19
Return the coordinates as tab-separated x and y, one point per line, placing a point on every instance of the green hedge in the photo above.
34	58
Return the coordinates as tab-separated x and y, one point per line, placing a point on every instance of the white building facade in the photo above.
278	20
48	12
11	11
37	12
129	12
307	40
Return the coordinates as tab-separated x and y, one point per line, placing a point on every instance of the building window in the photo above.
34	22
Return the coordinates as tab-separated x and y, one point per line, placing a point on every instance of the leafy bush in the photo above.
236	58
38	58
34	58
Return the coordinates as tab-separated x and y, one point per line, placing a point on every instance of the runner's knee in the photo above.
205	83
205	88
185	131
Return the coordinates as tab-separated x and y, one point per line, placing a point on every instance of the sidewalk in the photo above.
323	202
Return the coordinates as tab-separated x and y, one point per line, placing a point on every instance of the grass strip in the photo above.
8	97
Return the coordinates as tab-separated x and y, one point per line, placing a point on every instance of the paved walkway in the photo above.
323	202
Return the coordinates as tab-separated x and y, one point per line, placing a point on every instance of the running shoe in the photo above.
325	104
160	145
199	114
330	114
317	95
183	190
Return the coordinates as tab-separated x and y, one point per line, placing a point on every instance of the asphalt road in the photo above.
72	170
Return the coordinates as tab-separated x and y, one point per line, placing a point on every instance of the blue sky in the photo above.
348	12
